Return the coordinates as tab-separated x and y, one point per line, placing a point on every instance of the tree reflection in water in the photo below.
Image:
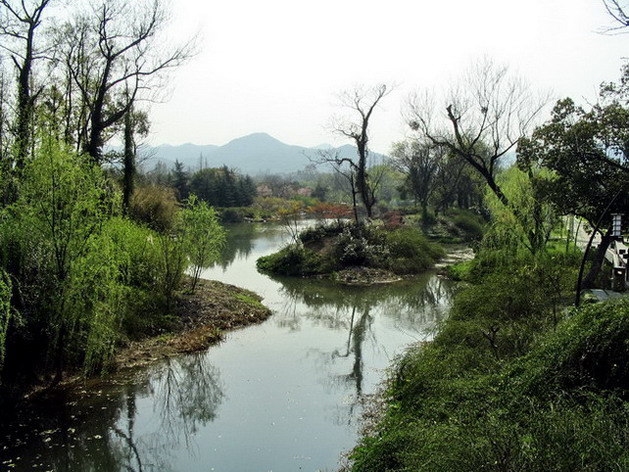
239	243
412	306
102	430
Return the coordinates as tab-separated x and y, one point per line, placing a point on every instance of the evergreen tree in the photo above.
179	179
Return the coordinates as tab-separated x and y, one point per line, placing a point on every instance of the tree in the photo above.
618	12
114	58
421	162
590	173
180	180
344	169
202	234
485	118
361	102
19	21
534	211
135	124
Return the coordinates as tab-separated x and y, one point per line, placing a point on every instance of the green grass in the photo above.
511	382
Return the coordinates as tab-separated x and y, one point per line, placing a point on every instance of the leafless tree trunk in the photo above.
114	59
485	117
361	102
343	167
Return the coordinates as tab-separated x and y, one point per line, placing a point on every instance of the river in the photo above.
282	396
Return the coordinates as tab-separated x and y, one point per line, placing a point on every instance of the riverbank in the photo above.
512	380
200	319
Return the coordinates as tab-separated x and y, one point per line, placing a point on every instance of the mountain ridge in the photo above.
255	153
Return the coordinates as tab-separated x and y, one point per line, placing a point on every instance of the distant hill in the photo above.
256	153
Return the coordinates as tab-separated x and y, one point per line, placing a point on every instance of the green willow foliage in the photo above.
203	236
58	219
5	311
86	276
527	222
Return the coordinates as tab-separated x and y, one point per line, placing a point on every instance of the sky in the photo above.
277	66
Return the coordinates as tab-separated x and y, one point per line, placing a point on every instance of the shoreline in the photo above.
202	318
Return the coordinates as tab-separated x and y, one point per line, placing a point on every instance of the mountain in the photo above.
256	153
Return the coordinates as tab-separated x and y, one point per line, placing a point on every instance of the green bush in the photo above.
85	278
5	311
155	206
469	223
403	250
410	252
562	407
322	231
231	215
202	236
361	245
589	352
295	260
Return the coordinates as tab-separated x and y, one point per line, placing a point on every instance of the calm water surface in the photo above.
282	396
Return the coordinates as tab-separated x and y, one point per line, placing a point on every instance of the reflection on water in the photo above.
282	396
102	427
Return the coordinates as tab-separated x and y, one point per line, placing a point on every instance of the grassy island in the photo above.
353	253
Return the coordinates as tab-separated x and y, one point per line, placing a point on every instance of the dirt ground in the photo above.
202	318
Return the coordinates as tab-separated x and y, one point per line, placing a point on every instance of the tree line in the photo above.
85	265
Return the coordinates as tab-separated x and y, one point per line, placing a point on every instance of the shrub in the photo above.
5	311
410	251
232	215
295	260
403	251
155	206
471	224
202	236
550	410
588	351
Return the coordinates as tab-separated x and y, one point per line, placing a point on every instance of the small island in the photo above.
354	253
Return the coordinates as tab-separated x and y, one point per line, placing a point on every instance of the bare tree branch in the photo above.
360	102
485	117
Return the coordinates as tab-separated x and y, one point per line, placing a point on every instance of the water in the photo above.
285	395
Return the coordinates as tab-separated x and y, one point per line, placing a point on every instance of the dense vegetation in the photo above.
326	249
84	277
88	258
513	380
461	404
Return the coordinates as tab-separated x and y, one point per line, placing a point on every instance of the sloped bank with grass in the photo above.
200	319
511	382
354	253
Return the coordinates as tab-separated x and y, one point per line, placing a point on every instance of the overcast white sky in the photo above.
274	66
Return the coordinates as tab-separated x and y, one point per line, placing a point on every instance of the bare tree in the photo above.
343	167
483	118
114	58
361	102
618	12
19	20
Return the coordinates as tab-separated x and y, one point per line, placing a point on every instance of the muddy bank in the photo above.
201	318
